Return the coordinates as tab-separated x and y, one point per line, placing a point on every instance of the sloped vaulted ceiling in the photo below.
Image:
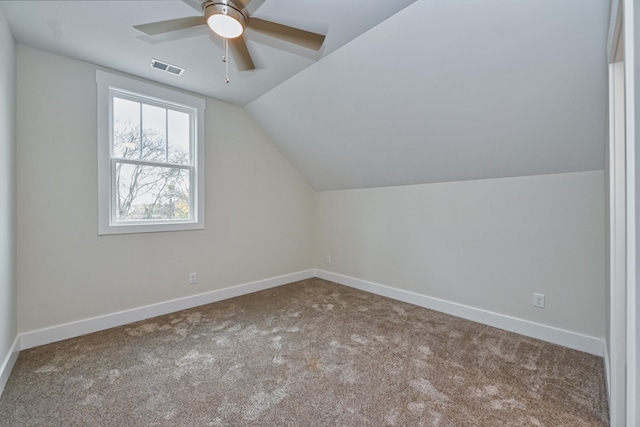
449	90
403	92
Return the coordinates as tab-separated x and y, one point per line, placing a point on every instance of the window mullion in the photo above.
140	133
166	135
192	192
113	198
153	164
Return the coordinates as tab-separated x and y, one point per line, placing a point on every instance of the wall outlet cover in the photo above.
538	300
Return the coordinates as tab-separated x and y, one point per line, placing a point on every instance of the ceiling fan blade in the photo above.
195	4
174	35
241	55
154	28
290	34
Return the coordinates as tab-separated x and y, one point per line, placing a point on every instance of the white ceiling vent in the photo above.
173	69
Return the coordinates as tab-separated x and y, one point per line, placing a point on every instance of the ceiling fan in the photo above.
228	19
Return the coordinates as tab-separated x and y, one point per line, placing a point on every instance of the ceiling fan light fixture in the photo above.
225	26
225	20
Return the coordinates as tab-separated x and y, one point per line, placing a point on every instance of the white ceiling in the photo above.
443	90
450	90
101	32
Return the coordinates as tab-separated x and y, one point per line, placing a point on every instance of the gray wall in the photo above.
8	329
259	211
488	244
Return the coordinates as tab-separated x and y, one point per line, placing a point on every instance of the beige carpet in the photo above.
311	353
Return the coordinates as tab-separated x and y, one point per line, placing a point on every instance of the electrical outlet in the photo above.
538	300
328	259
193	278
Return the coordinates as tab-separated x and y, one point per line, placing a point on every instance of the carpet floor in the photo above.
312	353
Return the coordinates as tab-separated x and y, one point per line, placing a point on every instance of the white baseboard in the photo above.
95	324
550	334
8	362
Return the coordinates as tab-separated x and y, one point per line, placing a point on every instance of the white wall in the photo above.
632	84
488	244
8	317
259	211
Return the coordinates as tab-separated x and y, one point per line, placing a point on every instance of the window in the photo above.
150	157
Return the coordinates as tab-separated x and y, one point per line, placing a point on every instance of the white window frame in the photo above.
110	84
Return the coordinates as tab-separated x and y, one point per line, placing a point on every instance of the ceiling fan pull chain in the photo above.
225	59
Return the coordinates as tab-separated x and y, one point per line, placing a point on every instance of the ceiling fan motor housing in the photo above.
226	8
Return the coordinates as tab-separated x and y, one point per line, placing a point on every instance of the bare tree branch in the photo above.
147	192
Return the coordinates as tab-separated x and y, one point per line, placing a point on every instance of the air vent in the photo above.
173	69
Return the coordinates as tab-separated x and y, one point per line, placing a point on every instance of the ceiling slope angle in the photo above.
103	33
450	90
229	19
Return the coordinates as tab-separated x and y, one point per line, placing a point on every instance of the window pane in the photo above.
126	128
179	131
151	193
154	139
